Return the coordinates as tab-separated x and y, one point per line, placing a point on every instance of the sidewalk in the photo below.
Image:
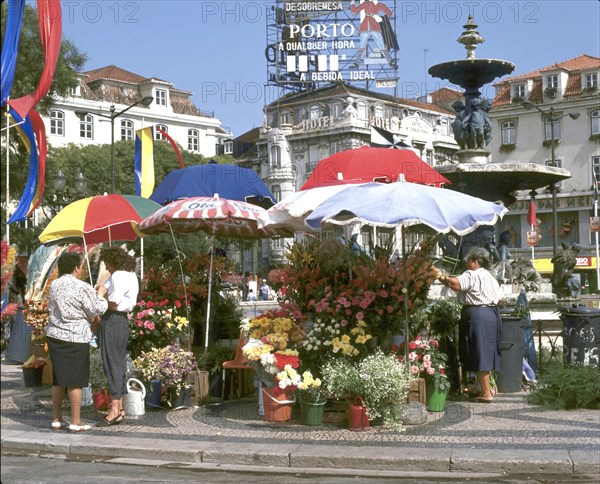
507	436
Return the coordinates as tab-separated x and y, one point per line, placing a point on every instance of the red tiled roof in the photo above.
445	94
114	73
573	88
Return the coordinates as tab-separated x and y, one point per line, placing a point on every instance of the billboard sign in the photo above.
312	42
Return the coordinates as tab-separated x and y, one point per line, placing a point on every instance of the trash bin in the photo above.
511	353
581	334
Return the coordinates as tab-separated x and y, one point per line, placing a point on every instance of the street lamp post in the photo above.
145	101
551	117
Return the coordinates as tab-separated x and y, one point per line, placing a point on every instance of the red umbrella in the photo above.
368	164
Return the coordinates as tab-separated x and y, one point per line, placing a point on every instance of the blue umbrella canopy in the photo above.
403	204
228	181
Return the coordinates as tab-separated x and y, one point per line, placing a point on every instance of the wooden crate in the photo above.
200	387
416	392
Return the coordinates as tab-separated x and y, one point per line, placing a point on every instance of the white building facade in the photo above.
82	117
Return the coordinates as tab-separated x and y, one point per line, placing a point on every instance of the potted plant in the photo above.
148	368
211	360
270	348
174	368
98	381
343	381
427	361
155	324
33	370
311	400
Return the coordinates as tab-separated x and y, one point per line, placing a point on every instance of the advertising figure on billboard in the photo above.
375	27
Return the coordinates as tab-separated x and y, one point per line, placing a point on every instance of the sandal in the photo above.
79	428
483	400
59	425
108	422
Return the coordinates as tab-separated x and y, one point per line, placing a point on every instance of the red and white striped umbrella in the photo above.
218	216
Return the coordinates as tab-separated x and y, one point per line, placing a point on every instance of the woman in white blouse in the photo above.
72	306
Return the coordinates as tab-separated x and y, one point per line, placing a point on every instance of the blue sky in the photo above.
215	49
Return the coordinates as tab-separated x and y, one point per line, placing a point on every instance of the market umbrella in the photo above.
229	181
215	215
292	210
404	204
104	218
93	220
368	164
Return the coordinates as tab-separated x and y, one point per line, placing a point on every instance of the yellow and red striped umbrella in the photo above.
104	218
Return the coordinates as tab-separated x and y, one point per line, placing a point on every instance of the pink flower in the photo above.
430	371
414	369
344	323
149	325
427	364
177	304
427	358
360	316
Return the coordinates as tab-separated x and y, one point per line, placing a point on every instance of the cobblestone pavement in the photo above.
508	428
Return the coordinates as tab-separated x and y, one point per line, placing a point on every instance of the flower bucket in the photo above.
102	399
152	398
436	399
358	420
179	399
312	413
277	407
32	377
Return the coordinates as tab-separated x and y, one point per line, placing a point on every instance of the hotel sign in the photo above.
320	41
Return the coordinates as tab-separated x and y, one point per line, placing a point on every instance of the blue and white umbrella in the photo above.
402	204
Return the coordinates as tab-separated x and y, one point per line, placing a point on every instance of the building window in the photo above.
313	158
126	130
509	133
57	123
596	171
552	81
335	147
315	112
595	116
275	157
378	111
86	127
276	191
336	110
591	80
405	113
520	91
548	129
284	118
158	136
228	147
161	97
193	140
362	110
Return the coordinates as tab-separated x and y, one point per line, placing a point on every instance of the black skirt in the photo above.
70	363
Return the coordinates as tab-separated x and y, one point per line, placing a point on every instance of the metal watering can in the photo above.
133	400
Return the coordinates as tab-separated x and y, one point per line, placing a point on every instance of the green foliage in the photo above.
97	375
212	359
565	387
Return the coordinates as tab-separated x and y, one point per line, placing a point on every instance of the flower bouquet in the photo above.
428	362
37	316
171	365
309	389
270	348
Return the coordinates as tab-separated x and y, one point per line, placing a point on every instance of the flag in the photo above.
173	145
380	138
531	215
29	129
144	162
10	46
50	21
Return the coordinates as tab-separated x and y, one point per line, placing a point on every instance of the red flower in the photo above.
282	360
412	345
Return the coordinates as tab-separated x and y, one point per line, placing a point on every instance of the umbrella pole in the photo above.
210	274
405	291
142	259
187	306
87	259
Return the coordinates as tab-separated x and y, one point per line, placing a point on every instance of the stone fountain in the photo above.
472	128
